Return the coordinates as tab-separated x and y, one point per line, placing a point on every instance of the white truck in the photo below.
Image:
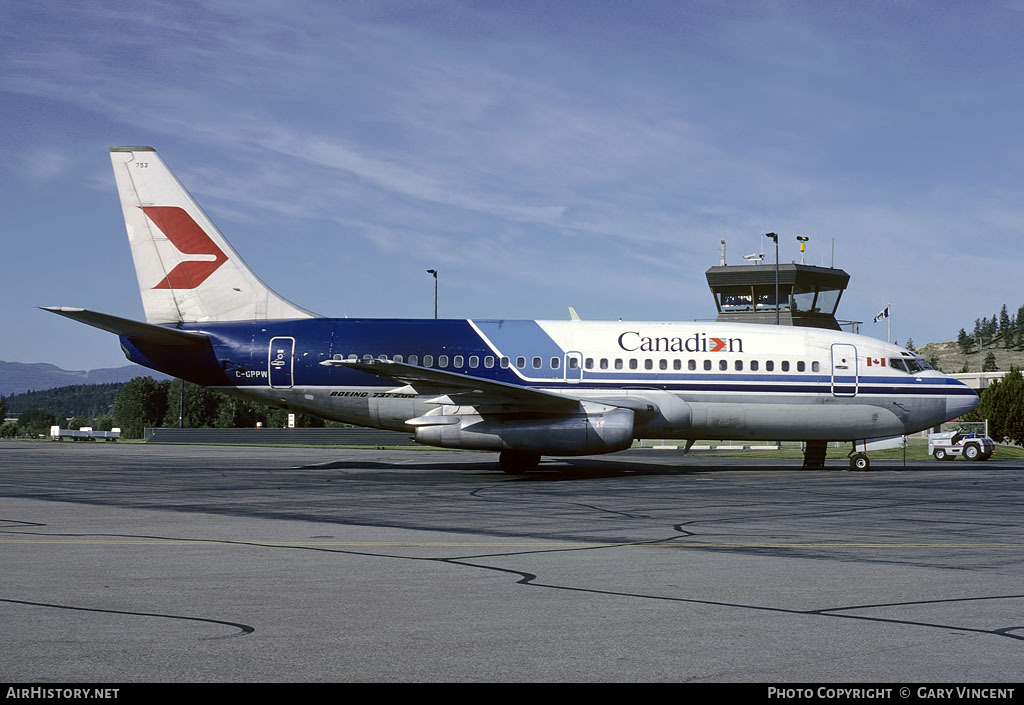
949	445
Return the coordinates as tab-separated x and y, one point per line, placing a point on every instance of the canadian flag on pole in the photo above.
876	362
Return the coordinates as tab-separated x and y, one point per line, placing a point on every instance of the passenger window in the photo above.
707	365
815	367
723	365
554	363
442	361
662	364
428	360
414	359
648	364
691	365
589	364
618	363
457	362
536	363
769	365
604	363
488	361
353	356
677	364
738	366
399	358
785	365
632	363
367	358
474	361
753	365
339	356
801	366
505	363
521	362
574	363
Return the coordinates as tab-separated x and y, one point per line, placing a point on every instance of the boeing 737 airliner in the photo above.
523	388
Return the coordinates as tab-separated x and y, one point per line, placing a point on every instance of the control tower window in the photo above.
765	296
815	299
735	298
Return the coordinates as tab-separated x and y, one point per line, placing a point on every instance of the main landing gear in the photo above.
516	462
859	461
814	456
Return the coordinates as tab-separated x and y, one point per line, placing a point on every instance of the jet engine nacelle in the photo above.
581	434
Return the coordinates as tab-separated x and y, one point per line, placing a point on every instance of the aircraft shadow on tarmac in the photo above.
575	469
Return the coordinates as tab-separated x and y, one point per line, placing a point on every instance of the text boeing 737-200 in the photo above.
524	388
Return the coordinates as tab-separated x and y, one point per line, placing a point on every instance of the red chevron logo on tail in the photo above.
189	238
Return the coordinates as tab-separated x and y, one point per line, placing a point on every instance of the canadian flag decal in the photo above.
876	361
189	238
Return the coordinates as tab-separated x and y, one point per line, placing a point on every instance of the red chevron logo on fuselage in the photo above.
186	235
719	344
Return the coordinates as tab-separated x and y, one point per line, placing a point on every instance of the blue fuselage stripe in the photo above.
241	351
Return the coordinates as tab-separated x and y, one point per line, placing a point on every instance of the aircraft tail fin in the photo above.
187	270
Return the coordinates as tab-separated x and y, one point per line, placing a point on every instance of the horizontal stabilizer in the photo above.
134	330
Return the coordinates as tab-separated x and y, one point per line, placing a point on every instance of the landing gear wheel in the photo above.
516	462
859	461
972	452
940	454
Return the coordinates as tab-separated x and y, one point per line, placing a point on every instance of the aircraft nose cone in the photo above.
961	400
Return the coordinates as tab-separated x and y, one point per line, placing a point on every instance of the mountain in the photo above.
18	377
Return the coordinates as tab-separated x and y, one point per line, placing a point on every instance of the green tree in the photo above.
140	403
3	410
103	422
34	422
1002	403
1004	326
235	412
990	362
201	405
964	342
76	422
910	345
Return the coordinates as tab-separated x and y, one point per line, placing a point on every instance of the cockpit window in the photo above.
917	364
911	364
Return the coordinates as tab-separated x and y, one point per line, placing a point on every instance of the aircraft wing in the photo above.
462	389
487	395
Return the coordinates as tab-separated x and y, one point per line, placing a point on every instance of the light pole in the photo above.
775	239
803	246
434	272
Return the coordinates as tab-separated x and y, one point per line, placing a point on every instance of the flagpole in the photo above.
888	322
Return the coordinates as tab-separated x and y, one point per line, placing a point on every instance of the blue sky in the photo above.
538	154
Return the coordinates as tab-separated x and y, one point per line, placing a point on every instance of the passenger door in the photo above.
845	375
281	362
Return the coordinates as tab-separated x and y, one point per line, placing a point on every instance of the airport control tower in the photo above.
808	295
